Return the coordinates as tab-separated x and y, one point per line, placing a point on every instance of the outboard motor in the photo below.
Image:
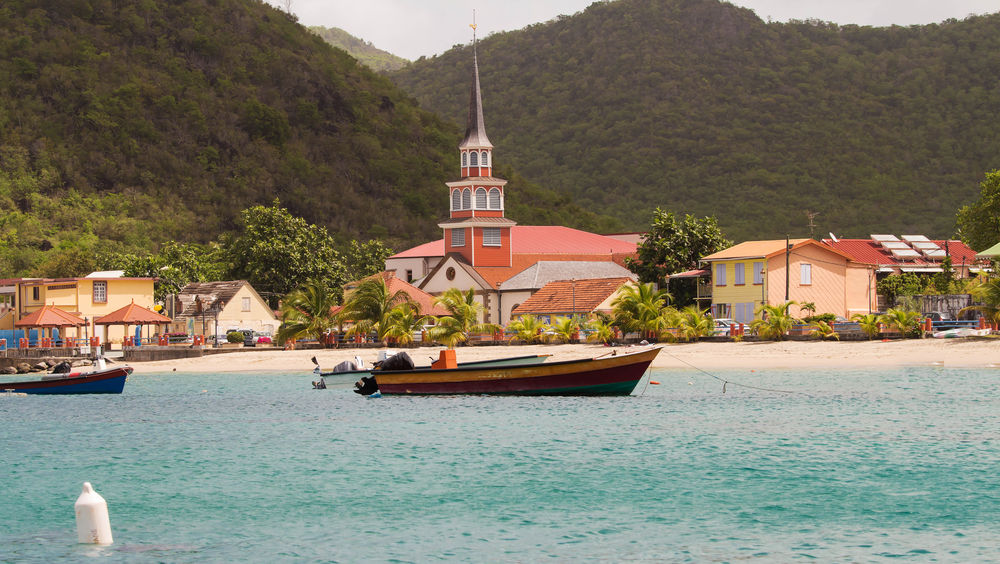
366	386
346	366
396	362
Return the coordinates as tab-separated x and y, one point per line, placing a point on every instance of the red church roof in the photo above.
541	240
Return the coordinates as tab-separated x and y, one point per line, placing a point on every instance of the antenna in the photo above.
811	216
834	237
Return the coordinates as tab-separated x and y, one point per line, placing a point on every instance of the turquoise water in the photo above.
861	466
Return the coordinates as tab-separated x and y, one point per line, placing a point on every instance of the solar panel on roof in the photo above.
921	245
904	253
915	239
895	245
884	238
934	253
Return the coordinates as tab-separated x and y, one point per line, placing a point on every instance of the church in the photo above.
505	263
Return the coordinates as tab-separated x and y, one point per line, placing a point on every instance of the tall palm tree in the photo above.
403	321
527	329
774	322
463	319
639	308
695	323
307	312
989	294
370	304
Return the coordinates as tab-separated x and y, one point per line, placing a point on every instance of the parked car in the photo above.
938	316
723	327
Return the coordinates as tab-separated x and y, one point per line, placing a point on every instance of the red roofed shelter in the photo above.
50	317
133	314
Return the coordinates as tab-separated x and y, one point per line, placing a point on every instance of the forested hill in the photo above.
125	124
363	51
701	107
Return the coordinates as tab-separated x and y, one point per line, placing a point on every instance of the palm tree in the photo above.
463	320
564	328
600	330
695	323
639	308
307	312
808	306
527	329
775	321
823	330
989	294
370	304
869	323
403	321
906	322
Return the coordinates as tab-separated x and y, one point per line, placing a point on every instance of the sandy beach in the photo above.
953	353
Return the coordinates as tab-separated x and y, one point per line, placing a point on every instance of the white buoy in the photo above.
93	526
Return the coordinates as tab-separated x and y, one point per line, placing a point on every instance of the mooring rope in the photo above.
725	382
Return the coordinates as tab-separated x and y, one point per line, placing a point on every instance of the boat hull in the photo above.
352	376
607	376
110	381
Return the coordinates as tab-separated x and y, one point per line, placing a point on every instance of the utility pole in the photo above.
788	248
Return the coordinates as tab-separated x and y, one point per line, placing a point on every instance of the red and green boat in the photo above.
608	375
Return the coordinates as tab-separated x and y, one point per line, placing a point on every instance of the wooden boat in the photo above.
107	381
608	375
351	376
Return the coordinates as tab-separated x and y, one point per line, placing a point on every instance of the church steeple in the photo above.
476	227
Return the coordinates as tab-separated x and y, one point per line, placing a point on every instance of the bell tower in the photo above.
476	227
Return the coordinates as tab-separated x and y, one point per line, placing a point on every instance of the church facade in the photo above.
481	248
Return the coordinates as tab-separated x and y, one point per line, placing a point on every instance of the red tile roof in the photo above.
541	240
50	316
870	252
567	296
132	315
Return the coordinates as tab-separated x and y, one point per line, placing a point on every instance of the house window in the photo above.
720	275
739	274
485	159
456	199
100	292
491	237
35	293
465	160
494	199
409	276
473	159
466	199
758	273
481	198
246	304
806	274
458	237
721	311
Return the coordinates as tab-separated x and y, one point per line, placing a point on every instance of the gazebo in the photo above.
132	314
990	253
50	317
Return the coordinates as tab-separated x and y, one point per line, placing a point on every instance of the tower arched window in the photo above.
480	198
494	198
466	199
465	159
485	159
456	199
473	159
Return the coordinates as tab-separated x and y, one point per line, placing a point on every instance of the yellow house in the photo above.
93	296
747	275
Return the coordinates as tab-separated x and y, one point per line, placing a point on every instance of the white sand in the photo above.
965	353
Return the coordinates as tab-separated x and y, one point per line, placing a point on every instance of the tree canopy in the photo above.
979	222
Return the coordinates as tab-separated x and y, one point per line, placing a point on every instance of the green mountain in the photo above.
126	124
361	50
699	106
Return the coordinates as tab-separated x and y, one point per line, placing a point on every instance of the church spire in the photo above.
475	129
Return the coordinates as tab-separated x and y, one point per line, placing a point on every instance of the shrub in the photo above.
234	337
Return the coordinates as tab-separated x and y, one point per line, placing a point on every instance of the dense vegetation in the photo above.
130	124
361	50
700	107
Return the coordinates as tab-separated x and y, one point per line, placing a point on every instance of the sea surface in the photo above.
829	466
